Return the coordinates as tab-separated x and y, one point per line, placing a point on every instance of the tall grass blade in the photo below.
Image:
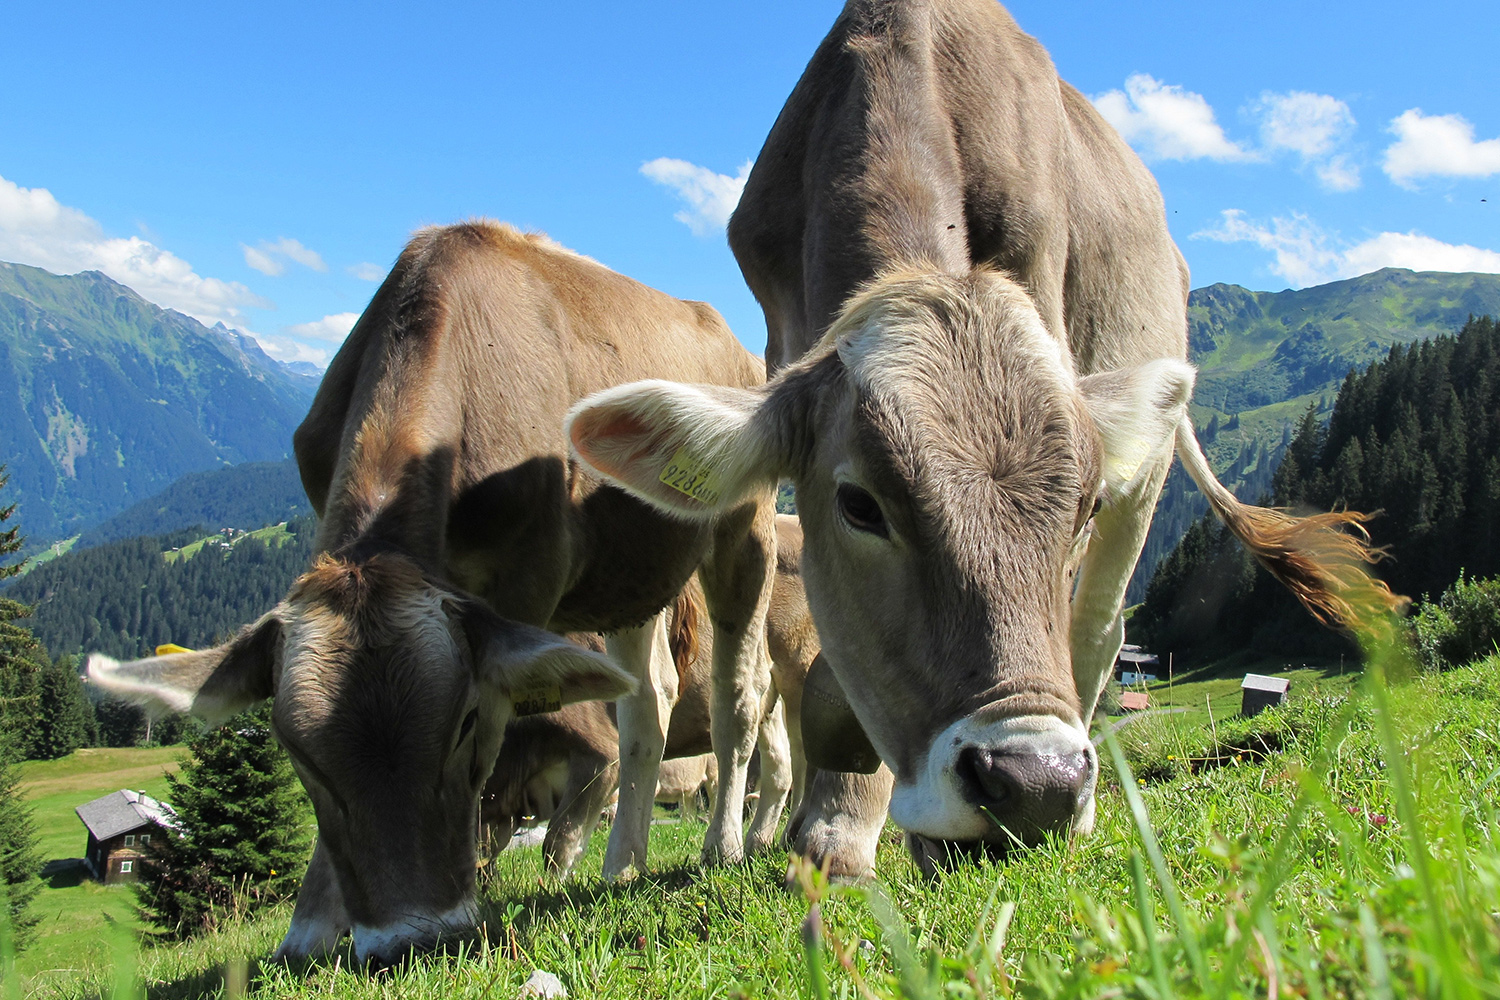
812	954
1439	934
915	979
1158	862
1147	909
1376	964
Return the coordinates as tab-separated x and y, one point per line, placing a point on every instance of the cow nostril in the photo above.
1028	793
987	775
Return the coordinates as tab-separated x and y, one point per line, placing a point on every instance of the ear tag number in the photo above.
535	701
691	477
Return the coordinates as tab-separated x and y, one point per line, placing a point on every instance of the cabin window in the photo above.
130	840
145	838
126	867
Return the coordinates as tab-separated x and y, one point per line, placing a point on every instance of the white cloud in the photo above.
1438	146
1313	126
710	196
1308	255
266	256
333	328
36	229
1166	122
365	271
1310	124
286	349
1338	174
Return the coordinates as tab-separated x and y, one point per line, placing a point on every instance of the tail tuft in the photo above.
1323	559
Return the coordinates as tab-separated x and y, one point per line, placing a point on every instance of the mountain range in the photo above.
1264	356
105	398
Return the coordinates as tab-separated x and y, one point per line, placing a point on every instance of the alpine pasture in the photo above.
1358	856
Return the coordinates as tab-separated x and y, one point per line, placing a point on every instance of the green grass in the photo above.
1211	691
274	535
75	911
1361	858
48	554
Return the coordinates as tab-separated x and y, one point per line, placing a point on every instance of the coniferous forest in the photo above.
1415	436
126	598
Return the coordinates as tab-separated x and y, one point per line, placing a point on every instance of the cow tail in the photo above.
1322	559
685	639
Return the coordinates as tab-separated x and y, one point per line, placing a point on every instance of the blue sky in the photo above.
263	164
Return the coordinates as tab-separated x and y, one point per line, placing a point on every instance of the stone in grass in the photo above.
544	985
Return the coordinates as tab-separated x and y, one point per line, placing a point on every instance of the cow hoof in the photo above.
715	855
756	846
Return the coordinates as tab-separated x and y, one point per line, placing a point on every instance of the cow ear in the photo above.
212	684
539	668
692	450
1136	411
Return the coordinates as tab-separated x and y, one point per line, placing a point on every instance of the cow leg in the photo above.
839	822
737	579
642	720
1098	625
775	778
591	781
319	921
788	684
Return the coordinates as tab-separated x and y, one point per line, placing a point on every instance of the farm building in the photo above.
1135	666
1259	692
1134	701
120	825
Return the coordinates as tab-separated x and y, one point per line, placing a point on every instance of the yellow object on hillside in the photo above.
171	647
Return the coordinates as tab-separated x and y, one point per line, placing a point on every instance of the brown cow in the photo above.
559	767
454	531
977	319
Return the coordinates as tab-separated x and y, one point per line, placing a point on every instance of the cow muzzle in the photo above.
995	784
417	932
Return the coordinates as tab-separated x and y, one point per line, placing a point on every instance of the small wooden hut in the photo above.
120	826
1259	692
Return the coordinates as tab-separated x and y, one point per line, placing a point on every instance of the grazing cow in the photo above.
559	766
454	531
977	323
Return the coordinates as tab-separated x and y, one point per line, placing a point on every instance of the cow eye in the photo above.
468	724
860	511
1083	520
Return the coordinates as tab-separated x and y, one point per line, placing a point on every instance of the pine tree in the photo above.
21	658
245	830
67	718
19	862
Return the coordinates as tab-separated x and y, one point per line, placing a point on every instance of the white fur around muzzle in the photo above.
934	805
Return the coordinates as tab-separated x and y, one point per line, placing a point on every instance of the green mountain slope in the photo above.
241	496
1267	349
105	399
1264	357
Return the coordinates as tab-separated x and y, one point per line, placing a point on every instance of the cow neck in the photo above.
395	486
911	183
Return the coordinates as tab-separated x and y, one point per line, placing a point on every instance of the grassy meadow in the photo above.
77	913
1343	846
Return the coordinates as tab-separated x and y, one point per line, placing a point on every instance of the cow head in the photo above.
392	693
947	463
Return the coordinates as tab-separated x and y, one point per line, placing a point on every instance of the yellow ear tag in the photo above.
168	648
691	477
535	701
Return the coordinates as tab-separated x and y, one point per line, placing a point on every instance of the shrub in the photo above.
1461	626
244	833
